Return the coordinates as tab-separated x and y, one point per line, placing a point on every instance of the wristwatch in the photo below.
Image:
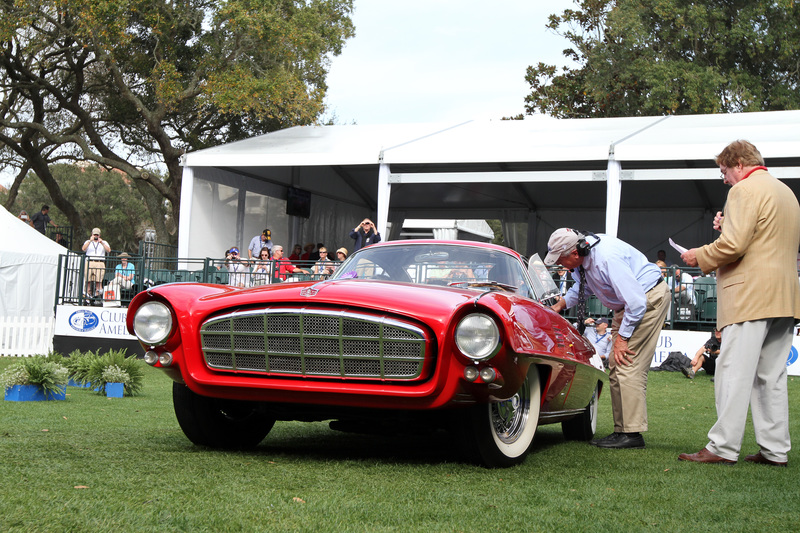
623	337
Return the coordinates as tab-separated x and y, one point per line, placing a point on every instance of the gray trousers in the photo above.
751	370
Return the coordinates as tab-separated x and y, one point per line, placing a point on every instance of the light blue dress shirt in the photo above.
620	276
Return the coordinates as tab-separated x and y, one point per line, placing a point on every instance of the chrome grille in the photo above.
314	342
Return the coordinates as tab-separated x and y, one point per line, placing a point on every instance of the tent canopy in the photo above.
643	178
28	269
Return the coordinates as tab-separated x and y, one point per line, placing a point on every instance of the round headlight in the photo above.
153	323
477	337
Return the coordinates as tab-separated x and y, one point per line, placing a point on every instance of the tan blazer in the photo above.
756	255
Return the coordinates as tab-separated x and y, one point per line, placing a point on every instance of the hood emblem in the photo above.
312	290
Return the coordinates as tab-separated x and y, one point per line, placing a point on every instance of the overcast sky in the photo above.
441	60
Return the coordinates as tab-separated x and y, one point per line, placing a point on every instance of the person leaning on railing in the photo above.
325	266
283	267
262	268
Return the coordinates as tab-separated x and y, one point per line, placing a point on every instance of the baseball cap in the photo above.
96	231
234	250
603	320
561	242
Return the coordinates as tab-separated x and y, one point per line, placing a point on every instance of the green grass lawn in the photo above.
95	464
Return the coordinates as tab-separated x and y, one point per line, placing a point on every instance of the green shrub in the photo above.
78	364
37	370
101	367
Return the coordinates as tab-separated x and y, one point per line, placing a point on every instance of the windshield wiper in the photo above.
491	285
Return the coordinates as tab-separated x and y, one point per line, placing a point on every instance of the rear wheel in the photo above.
219	423
500	434
583	426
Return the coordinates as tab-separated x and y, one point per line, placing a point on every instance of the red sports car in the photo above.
436	334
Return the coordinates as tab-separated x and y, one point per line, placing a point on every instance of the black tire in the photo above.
499	435
217	423
583	426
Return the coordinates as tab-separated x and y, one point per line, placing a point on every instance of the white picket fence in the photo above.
26	335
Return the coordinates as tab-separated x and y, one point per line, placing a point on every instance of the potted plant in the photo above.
114	365
115	380
35	379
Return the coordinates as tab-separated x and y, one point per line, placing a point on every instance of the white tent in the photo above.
28	269
644	179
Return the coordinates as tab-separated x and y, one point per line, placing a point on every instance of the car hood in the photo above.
391	297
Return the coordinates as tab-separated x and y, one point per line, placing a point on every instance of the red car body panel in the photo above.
530	334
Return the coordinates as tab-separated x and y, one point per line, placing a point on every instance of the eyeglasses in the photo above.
722	172
323	252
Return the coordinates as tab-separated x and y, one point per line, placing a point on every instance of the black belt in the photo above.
660	280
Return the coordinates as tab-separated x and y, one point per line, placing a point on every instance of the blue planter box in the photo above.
73	383
115	390
33	393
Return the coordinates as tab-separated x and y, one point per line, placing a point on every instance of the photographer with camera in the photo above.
365	234
238	270
95	248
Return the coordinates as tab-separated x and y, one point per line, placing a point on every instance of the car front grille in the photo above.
315	342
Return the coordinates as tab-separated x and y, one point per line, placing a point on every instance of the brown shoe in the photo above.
705	456
760	459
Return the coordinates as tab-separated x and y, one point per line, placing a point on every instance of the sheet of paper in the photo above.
678	247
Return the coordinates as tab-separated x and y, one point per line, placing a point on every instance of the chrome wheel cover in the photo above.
509	418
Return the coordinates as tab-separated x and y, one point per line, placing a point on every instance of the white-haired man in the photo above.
626	282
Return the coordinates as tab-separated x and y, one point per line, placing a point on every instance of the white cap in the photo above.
562	241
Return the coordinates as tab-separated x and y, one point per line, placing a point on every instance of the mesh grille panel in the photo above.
254	324
314	343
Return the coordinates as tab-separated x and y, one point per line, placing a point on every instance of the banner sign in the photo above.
95	322
688	342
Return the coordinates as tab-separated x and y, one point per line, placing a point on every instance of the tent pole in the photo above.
384	192
185	223
613	194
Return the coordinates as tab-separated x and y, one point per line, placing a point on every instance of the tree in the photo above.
637	57
113	205
133	84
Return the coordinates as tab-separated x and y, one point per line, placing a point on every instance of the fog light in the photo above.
165	359
150	357
488	374
470	373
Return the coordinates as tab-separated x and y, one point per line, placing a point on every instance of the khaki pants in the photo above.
628	383
95	271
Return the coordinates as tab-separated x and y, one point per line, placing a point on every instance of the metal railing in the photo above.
692	307
62	235
74	286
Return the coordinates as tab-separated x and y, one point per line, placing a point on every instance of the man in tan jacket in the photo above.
758	303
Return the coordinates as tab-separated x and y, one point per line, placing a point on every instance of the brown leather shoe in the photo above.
760	459
705	456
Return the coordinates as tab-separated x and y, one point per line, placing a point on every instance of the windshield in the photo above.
438	264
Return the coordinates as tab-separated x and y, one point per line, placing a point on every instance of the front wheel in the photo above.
219	423
583	426
500	434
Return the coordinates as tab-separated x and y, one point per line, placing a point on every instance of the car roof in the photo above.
473	244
